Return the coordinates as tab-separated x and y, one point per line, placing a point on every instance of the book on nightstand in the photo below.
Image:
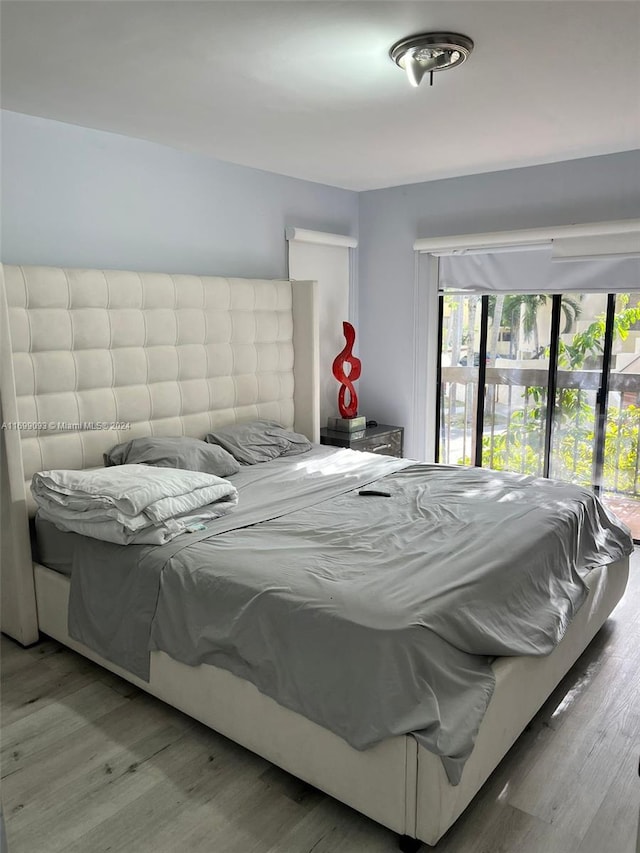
347	424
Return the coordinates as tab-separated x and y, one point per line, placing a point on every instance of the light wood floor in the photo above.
91	764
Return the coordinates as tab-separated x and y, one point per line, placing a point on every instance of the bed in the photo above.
172	355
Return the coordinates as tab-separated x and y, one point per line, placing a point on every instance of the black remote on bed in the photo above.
374	493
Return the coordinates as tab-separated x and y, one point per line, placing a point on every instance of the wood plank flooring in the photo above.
91	764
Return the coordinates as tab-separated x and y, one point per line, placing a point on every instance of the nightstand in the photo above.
380	439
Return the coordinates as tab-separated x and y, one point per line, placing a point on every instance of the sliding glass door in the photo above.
519	340
579	380
545	385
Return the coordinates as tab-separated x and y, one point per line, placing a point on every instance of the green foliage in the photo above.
520	447
587	346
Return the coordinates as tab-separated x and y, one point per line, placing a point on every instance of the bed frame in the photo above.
173	355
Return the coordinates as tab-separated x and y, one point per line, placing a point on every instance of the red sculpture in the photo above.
346	380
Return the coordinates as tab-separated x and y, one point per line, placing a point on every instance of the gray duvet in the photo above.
372	616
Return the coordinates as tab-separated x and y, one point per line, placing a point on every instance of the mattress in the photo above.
309	572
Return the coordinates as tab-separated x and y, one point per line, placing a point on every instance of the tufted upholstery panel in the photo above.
167	354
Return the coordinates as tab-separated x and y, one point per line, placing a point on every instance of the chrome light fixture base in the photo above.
429	52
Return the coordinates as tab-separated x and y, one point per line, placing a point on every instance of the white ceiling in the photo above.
307	88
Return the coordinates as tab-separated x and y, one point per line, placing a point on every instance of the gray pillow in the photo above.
177	451
258	441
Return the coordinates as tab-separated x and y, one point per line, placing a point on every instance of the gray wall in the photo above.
78	197
589	190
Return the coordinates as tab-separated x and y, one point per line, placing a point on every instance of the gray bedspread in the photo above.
371	616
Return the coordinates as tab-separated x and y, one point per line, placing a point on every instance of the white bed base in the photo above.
114	346
397	782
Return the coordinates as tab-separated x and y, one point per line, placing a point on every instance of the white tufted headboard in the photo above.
86	352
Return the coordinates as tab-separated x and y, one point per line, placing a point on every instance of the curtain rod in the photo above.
528	238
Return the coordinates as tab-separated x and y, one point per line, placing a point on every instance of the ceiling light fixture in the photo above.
430	52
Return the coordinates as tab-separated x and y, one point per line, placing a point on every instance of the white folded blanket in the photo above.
131	503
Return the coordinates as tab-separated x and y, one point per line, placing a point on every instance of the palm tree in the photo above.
571	309
521	313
